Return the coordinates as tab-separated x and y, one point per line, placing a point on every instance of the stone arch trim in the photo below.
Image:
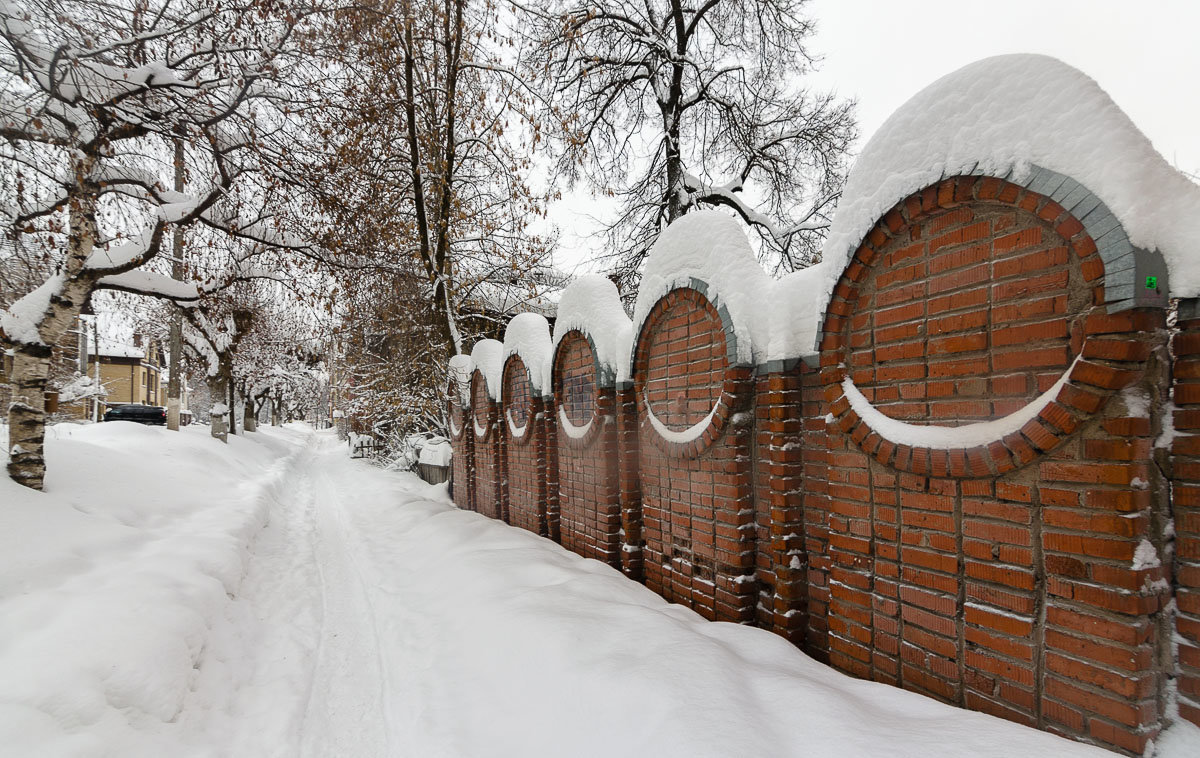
479	384
1104	362
598	383
733	384
514	364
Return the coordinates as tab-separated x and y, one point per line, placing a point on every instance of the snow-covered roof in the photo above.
113	349
592	305
1003	117
488	357
528	337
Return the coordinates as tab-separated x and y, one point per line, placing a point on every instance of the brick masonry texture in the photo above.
589	507
1040	576
526	463
697	497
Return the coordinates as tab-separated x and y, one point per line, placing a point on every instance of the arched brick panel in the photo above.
696	479
525	447
458	416
488	441
998	575
589	511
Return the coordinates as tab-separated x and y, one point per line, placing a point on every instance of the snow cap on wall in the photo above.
488	356
527	336
710	246
592	305
1003	116
461	366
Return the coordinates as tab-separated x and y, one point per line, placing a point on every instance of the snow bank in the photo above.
710	246
1002	116
592	305
111	580
488	357
528	337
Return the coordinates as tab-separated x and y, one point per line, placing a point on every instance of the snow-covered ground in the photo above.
169	596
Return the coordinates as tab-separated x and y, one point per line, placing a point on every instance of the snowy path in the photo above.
319	674
377	620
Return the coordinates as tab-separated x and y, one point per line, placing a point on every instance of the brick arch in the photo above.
526	463
697	504
458	417
963	304
686	337
577	380
979	575
517	401
588	508
481	407
457	412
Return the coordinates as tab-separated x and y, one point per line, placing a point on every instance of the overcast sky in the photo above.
1146	55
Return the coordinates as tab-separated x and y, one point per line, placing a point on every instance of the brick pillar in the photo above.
630	484
779	457
550	435
1185	476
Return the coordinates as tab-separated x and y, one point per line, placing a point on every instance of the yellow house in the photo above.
131	373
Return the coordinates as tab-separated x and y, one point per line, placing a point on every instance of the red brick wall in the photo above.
1029	576
461	441
526	452
997	577
589	506
696	497
1185	470
489	495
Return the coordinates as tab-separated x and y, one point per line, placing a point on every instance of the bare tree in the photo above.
91	97
429	152
672	105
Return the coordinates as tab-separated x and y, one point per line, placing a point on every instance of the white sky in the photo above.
1146	55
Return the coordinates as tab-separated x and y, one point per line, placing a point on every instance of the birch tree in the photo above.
91	97
674	105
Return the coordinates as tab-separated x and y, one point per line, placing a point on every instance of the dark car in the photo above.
142	414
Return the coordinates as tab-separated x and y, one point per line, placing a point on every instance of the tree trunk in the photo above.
218	390
31	362
249	423
176	365
232	398
27	415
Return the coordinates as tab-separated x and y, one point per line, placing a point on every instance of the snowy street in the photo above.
329	608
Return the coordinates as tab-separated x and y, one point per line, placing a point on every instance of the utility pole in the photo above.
175	364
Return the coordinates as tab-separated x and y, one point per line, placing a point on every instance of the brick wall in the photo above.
1000	576
1036	570
697	495
589	505
525	447
488	443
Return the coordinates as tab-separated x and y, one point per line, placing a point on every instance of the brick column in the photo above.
1185	483
779	457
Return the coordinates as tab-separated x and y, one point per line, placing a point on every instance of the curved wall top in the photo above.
1044	125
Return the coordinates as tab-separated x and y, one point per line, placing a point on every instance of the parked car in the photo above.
141	414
